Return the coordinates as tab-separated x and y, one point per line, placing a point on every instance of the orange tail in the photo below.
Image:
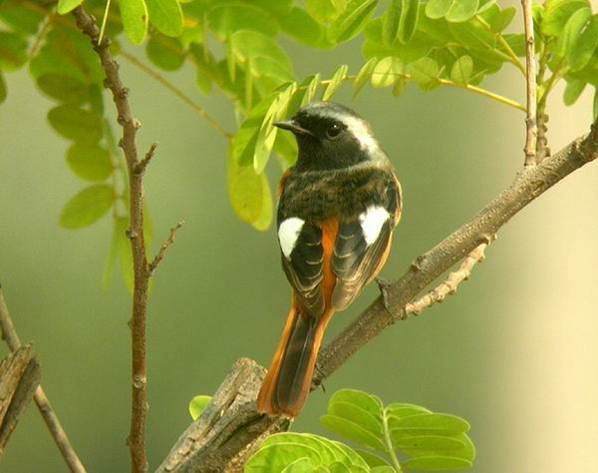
288	381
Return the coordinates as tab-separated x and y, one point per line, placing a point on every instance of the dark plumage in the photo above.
338	207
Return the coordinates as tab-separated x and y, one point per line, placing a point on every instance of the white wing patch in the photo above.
288	232
371	222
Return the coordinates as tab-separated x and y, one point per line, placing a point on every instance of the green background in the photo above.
514	352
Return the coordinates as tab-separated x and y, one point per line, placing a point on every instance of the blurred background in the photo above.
514	352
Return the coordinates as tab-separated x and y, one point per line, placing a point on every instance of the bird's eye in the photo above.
333	130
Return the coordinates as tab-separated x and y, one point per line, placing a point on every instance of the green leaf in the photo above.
386	71
400	409
249	193
67	52
267	133
399	86
456	11
226	19
87	207
462	70
400	21
267	57
436	462
364	75
76	124
197	405
585	45
285	147
301	465
352	20
371	459
302	27
89	161
124	252
390	24
409	20
21	18
165	52
438	8
324	11
134	16
281	450
265	219
423	424
13	51
65	6
335	82
64	88
2	89
462	10
356	415
424	72
352	430
558	12
498	19
572	30
166	16
573	90
311	90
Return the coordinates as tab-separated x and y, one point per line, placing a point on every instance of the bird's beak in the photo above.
293	126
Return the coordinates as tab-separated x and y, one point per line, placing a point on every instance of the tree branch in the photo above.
530	85
9	334
243	428
450	285
141	267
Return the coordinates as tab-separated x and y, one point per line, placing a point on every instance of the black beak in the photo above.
293	126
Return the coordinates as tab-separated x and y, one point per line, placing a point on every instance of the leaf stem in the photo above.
484	92
104	20
388	441
510	55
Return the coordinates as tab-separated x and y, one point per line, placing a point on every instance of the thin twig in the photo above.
135	232
140	168
530	85
9	334
165	247
178	92
450	285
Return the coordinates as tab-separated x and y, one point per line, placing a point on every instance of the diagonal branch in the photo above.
239	430
530	85
9	334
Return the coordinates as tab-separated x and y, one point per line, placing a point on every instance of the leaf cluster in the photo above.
239	49
393	438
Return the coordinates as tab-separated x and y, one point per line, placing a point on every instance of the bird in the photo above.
337	210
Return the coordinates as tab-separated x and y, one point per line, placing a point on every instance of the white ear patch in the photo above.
361	131
288	232
371	222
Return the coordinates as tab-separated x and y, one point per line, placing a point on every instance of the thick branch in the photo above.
530	83
243	427
9	334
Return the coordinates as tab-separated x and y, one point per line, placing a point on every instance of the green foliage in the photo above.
88	206
197	405
393	438
239	48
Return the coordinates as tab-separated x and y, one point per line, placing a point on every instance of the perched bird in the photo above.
337	210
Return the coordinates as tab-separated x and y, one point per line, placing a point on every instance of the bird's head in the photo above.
331	136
